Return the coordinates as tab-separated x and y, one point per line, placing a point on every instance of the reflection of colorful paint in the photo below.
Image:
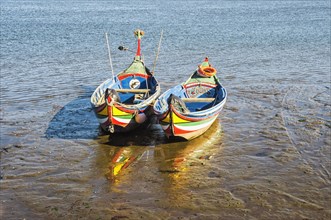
180	156
172	157
122	158
117	168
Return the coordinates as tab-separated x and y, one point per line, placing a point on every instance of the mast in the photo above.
139	33
109	56
157	53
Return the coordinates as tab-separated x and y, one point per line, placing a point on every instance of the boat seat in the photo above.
198	104
198	99
133	90
131	96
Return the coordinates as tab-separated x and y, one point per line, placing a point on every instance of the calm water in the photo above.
267	157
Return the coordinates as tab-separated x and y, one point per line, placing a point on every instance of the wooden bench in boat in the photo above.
198	99
133	90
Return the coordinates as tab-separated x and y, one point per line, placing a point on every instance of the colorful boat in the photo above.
125	101
189	109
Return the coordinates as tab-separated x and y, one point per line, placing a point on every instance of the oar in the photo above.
157	53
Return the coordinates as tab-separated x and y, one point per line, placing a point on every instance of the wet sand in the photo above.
267	157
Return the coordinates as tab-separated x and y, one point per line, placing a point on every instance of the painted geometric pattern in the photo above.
120	117
182	126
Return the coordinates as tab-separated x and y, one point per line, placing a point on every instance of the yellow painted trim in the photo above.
104	112
176	119
167	118
116	111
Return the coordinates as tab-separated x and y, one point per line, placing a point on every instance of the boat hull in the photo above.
176	125
116	118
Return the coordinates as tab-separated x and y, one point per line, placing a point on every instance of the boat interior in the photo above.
199	98
199	105
134	88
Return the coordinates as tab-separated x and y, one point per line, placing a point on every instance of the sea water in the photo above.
266	157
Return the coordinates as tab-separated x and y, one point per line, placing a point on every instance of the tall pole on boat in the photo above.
109	55
138	33
157	53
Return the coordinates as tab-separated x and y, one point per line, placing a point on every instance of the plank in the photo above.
133	90
198	99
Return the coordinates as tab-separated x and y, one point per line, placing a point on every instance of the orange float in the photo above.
206	71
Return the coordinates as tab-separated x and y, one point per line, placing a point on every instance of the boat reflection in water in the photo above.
127	148
152	147
179	156
122	157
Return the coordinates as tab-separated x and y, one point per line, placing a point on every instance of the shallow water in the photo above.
267	157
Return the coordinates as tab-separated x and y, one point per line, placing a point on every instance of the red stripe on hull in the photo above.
168	131
178	131
200	84
123	109
132	74
115	122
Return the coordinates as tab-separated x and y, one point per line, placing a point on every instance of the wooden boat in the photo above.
189	109
125	101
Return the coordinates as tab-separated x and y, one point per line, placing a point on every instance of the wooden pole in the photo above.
157	53
109	55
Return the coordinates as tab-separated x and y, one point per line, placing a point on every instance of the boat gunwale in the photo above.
208	111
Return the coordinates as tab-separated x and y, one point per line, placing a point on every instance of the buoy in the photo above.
140	118
207	71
